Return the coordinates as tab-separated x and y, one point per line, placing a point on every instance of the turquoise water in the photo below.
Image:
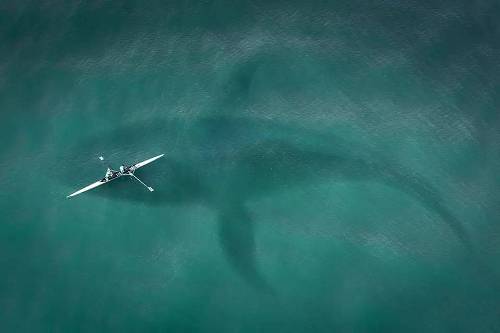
330	166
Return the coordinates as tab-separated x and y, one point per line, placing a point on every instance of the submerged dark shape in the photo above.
237	238
222	162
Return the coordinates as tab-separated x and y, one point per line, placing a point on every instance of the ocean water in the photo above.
331	166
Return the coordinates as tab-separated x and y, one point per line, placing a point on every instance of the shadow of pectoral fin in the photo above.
237	238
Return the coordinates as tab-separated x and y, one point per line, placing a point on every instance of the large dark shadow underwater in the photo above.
222	162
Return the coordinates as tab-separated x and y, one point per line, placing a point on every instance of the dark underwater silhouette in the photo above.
221	162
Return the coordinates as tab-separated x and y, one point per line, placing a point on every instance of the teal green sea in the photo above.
330	166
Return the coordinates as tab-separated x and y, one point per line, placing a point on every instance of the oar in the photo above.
140	181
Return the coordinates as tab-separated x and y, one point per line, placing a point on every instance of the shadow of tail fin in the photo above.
421	190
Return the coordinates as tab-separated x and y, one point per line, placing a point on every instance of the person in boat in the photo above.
109	173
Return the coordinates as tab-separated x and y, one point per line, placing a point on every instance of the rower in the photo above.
108	174
122	169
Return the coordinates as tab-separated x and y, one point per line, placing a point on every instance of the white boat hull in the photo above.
129	171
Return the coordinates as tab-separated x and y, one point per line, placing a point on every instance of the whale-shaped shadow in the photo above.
224	161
